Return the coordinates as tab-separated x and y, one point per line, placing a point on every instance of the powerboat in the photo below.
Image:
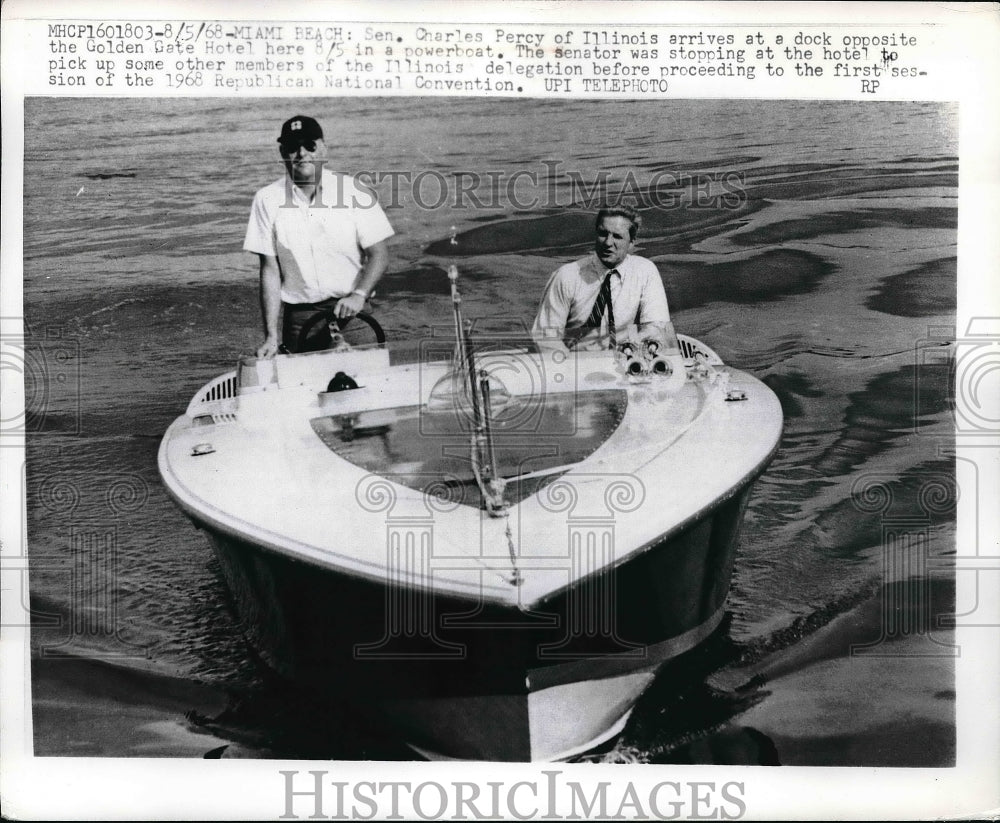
488	548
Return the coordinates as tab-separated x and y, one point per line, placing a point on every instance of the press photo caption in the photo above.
224	57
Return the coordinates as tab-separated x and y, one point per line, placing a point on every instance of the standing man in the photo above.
320	236
592	303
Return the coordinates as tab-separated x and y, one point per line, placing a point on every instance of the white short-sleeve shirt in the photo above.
318	245
637	297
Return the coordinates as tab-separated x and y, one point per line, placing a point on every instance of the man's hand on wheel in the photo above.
350	305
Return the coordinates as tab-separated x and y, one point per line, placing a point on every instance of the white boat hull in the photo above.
528	637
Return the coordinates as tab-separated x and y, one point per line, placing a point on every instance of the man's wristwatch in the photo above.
361	292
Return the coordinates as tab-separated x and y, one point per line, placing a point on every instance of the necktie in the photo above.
604	302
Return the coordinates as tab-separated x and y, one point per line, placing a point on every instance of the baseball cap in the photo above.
299	129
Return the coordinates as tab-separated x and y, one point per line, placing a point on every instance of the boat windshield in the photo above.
536	439
429	345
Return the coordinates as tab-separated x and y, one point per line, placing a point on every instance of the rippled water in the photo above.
829	276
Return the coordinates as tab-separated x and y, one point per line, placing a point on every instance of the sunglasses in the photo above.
291	148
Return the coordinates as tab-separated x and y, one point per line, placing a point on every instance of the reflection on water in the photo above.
830	261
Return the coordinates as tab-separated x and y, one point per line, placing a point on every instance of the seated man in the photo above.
593	303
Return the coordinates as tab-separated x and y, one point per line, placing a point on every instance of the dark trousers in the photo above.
296	315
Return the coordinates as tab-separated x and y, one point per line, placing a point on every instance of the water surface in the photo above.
830	262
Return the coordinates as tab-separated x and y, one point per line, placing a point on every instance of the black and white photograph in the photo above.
420	430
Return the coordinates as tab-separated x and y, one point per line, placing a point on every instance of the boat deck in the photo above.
307	473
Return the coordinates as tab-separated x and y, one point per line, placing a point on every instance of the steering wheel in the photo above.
328	315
